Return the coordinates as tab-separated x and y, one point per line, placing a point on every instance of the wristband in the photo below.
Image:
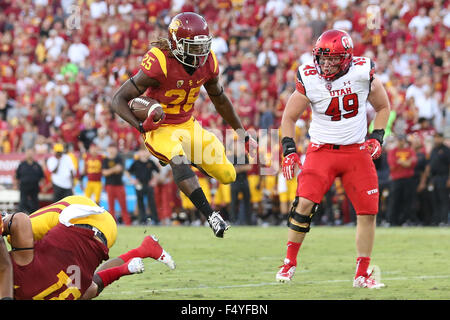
377	134
141	128
288	145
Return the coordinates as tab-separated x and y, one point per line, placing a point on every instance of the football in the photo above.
143	106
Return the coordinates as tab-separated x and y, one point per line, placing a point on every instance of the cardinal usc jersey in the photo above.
338	106
178	90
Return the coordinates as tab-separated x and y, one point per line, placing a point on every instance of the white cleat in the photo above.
286	272
150	242
367	282
166	258
136	265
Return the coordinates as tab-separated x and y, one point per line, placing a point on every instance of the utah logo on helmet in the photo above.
347	42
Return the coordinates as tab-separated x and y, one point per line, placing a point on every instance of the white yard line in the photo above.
265	284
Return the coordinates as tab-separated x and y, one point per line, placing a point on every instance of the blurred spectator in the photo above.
87	134
29	137
240	188
112	170
423	202
102	140
54	45
29	174
164	193
418	23
384	183
266	57
5	105
402	160
78	51
93	160
219	45
142	168
98	9
437	171
63	172
238	85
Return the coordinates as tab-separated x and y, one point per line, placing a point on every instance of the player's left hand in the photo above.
374	143
251	146
289	163
373	146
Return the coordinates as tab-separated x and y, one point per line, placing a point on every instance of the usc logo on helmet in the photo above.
174	25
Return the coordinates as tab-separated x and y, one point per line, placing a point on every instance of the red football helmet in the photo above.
338	46
189	39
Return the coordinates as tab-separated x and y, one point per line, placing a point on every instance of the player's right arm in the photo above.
18	227
132	88
295	106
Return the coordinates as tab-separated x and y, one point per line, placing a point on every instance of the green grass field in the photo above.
414	264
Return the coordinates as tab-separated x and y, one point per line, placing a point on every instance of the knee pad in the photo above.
299	222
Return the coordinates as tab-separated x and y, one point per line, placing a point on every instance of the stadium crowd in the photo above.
62	60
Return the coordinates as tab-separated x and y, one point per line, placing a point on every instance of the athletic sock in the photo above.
362	264
292	251
110	275
199	200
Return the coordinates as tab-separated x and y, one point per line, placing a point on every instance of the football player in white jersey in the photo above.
337	87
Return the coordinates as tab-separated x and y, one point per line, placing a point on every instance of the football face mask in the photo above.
193	53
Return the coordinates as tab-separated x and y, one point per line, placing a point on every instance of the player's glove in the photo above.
149	124
291	157
374	143
250	145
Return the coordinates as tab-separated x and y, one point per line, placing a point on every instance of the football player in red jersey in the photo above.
337	86
173	72
64	244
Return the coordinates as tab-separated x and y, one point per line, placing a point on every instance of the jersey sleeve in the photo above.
213	65
154	64
372	70
299	86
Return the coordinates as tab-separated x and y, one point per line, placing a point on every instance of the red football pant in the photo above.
352	164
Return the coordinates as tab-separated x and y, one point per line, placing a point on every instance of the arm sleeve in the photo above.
372	70
299	86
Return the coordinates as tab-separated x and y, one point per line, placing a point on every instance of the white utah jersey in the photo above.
339	106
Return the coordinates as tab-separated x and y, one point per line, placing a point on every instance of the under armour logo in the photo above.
346	83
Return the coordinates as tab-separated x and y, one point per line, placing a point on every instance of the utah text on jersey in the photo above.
339	106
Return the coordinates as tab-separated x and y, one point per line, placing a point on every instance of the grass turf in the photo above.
414	264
